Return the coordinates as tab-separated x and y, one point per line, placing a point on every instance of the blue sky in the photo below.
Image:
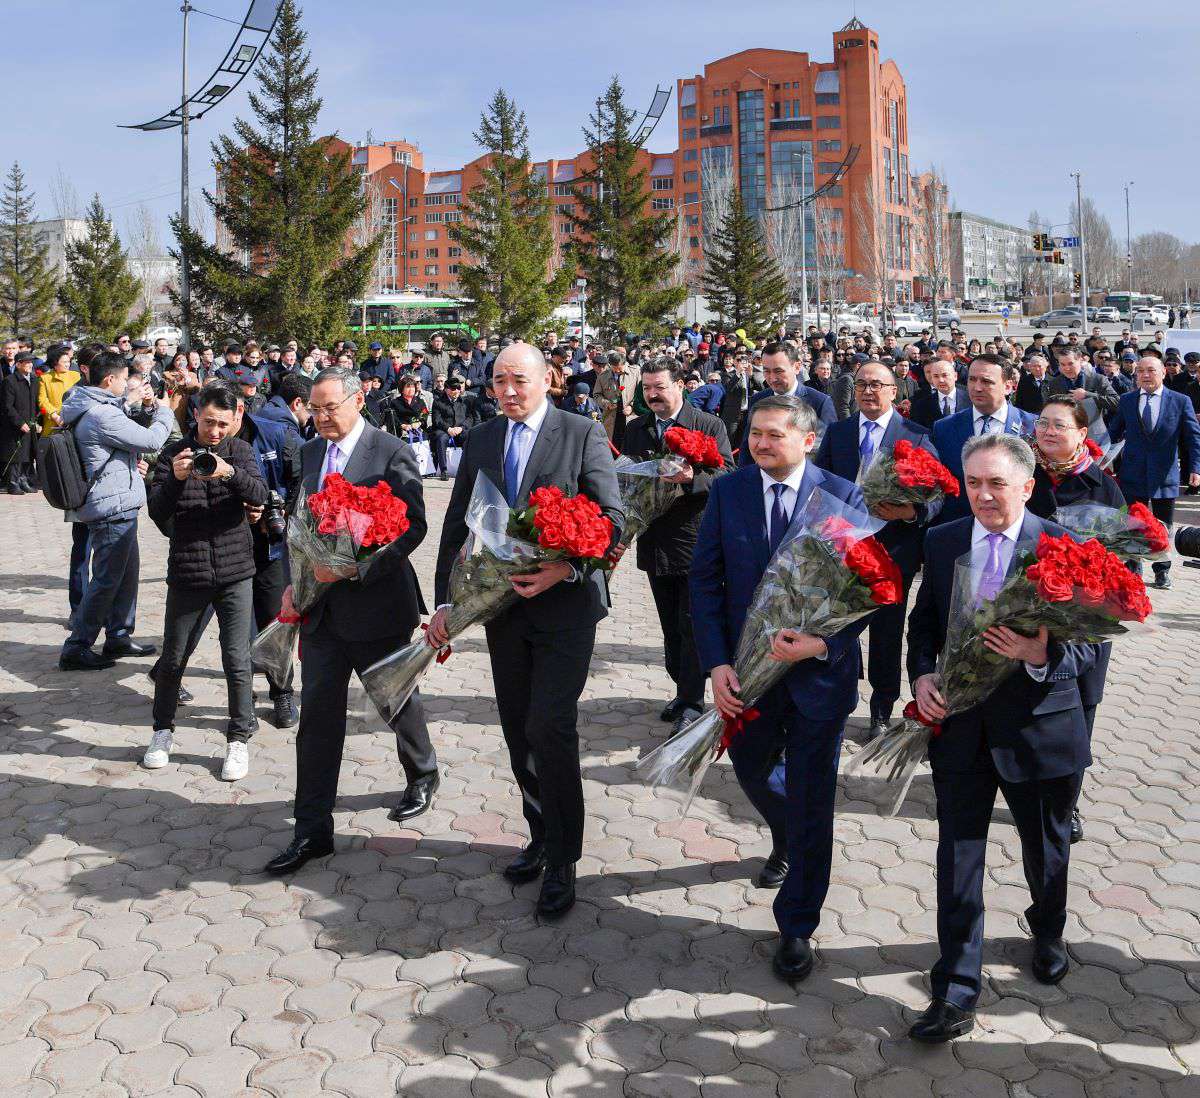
1007	98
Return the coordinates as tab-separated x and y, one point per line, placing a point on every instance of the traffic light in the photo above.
1078	281
1041	242
1057	257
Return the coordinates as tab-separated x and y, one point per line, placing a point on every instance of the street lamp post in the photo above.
1083	282
1128	256
185	289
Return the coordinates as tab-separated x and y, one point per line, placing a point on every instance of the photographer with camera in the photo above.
203	487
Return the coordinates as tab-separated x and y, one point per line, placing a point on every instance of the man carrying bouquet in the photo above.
540	649
366	612
664	550
749	515
847	449
1028	738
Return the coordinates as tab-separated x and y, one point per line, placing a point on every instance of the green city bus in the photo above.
410	321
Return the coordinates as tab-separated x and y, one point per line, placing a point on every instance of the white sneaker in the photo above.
158	754
237	761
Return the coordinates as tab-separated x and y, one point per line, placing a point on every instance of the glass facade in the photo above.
791	179
752	153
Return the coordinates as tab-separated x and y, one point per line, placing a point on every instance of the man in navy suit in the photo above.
1156	424
748	516
849	446
1028	738
782	377
943	396
989	413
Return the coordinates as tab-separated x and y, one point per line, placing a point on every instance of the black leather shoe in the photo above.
558	891
298	852
1162	580
416	798
15	489
1050	961
1076	826
286	713
942	1021
527	865
87	660
878	727
773	871
671	710
684	717
129	648
793	959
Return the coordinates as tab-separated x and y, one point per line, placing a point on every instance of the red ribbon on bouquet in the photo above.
913	713
734	726
443	652
291	619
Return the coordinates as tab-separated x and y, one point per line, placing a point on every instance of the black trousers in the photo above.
885	635
1164	511
441	442
539	676
326	663
674	607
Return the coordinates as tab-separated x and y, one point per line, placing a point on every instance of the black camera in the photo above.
204	462
275	517
1187	542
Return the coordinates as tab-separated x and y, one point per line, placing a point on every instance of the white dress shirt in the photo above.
881	424
528	437
345	449
1155	399
790	493
980	550
999	420
947	401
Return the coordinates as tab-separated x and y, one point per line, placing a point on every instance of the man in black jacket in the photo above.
210	563
1034	386
18	425
664	550
453	417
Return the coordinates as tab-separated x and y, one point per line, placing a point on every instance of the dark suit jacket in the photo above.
838	454
1031	730
819	402
386	600
731	555
927	411
731	406
1102	398
1150	467
1030	396
571	452
665	547
950	435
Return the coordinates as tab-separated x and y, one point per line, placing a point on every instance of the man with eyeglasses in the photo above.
1108	365
848	449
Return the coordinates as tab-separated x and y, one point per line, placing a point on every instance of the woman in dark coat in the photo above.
406	411
1067	473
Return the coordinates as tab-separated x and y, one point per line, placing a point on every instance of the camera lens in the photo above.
1187	541
204	464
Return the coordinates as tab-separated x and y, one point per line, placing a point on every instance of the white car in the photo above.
905	322
1105	314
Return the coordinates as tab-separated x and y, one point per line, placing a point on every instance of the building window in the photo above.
430	234
413	202
564	209
690	198
414	272
827	168
417	236
432	287
431	253
431	270
453	268
414	253
399	156
663	183
689	134
689	154
693	242
834	192
828	99
752	157
563	190
687	113
452	215
666	203
451	199
827	146
691	220
691	177
829	122
433	218
454	253
567	228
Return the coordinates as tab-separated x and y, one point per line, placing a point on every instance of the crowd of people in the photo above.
220	449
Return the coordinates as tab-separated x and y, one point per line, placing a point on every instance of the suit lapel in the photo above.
812	479
754	514
846	440
314	462
894	433
359	458
542	447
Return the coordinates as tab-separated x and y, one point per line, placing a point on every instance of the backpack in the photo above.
65	484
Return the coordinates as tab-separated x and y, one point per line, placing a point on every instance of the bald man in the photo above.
541	648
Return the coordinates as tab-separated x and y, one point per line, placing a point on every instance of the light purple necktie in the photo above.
993	573
332	457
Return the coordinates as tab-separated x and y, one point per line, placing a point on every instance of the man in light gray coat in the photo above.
110	445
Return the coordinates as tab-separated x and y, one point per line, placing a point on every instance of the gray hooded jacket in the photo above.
109	444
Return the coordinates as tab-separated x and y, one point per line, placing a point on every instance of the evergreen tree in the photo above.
625	250
100	292
288	204
506	232
28	288
742	281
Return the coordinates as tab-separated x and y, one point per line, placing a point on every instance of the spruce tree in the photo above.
624	249
288	204
100	292
742	281
28	288
506	233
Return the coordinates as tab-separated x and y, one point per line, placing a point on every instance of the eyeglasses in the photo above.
873	386
1050	425
327	409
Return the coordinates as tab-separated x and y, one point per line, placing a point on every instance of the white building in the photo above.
989	259
56	234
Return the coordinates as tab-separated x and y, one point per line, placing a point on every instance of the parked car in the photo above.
1151	314
1104	314
906	322
947	315
1060	318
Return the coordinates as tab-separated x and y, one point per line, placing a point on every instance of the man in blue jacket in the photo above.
1156	424
749	514
781	373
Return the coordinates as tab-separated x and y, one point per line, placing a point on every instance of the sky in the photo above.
1006	99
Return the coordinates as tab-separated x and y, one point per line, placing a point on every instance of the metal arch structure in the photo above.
839	174
654	113
252	36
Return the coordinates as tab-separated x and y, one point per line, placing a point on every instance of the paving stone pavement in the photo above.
142	953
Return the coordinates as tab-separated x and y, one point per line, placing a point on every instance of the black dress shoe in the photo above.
298	852
942	1021
87	660
527	865
1050	961
793	958
558	891
671	710
683	718
1076	826
286	713
129	648
1162	580
774	870
878	727
15	490
416	798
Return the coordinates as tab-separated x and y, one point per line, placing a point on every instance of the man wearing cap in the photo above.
231	360
18	425
437	358
1176	379
375	365
460	361
1191	368
1114	370
453	416
421	370
581	402
248	380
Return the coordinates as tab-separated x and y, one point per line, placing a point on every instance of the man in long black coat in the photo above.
18	425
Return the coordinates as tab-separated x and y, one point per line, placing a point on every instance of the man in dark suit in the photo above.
453	416
740	386
849	446
1088	386
366	612
664	550
1028	738
1156	424
541	648
1034	386
782	376
943	397
990	413
748	516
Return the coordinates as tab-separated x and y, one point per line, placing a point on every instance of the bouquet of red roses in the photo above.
909	474
1080	591
832	572
504	543
340	526
1132	532
695	447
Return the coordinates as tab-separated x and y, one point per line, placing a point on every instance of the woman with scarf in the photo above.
1067	472
406	411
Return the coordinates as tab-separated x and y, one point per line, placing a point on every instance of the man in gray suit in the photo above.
366	612
541	649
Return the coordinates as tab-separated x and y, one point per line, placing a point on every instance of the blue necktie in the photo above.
985	426
779	518
866	448
1147	417
512	465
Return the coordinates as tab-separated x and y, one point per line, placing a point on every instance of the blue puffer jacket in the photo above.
110	444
